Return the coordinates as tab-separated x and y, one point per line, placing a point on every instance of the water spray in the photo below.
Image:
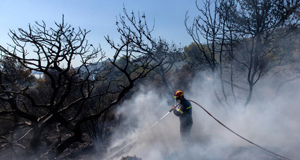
135	139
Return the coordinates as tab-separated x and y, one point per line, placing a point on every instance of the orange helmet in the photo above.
178	93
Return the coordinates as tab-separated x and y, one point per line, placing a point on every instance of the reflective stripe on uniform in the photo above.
189	107
180	111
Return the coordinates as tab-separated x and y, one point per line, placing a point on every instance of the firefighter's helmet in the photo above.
178	94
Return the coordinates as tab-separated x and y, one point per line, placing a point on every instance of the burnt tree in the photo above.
245	33
54	111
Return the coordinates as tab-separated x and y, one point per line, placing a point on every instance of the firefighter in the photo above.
184	112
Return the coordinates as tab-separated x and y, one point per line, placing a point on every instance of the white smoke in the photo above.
270	122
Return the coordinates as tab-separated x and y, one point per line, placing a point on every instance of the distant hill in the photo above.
93	66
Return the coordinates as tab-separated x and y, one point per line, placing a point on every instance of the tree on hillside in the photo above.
53	113
135	28
14	73
245	33
208	33
171	55
264	24
41	110
195	57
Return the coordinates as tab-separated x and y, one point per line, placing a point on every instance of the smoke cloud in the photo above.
270	121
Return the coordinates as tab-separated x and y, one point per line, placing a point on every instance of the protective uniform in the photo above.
184	112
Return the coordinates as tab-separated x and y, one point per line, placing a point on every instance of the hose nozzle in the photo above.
178	102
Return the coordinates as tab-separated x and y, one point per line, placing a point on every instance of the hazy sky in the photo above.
99	16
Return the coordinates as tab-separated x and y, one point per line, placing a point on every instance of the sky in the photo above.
99	16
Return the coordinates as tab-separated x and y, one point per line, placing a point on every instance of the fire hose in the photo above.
273	153
282	157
